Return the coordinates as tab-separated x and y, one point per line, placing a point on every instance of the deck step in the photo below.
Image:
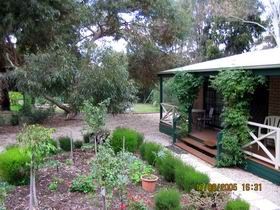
199	145
196	153
268	165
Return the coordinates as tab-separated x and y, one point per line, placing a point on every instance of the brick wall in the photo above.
274	96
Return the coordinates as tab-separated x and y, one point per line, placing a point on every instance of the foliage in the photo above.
109	169
168	95
83	184
136	205
87	146
167	199
37	140
15	99
65	143
136	169
237	205
166	165
185	86
31	115
86	137
14	119
95	116
237	88
149	152
78	144
187	178
5	188
14	166
132	139
53	186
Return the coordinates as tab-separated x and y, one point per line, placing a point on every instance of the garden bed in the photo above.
62	198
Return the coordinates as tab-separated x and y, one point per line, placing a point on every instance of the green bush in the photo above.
187	178
168	199
83	184
14	119
14	166
133	139
166	165
78	144
86	138
149	152
237	205
65	143
55	144
33	116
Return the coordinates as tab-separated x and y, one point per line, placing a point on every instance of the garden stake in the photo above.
123	143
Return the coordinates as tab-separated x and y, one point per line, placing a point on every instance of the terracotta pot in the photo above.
149	182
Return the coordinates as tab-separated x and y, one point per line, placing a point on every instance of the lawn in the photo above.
145	108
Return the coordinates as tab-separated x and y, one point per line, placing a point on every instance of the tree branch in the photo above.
256	23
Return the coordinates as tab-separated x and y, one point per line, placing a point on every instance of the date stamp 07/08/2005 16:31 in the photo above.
212	187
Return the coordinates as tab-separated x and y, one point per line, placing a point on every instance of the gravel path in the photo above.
149	125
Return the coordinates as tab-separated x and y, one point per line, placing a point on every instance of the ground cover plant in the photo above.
168	199
237	204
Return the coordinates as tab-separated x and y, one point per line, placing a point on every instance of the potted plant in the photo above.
149	182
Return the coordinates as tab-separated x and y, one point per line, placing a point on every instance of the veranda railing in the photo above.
169	113
272	133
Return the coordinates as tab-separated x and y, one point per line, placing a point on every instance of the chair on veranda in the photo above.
201	121
273	121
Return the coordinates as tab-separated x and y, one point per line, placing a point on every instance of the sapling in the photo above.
36	139
95	117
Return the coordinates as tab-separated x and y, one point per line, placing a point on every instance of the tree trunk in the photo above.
71	113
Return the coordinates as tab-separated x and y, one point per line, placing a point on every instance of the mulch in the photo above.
63	199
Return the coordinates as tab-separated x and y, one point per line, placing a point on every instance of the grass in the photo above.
145	108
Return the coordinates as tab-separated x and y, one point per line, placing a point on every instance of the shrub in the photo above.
54	143
83	184
237	205
149	152
14	167
78	144
187	178
86	138
33	116
133	139
65	143
168	199
14	119
166	166
136	205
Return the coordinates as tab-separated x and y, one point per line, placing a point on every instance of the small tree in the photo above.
37	140
95	117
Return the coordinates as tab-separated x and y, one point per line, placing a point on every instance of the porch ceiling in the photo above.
267	60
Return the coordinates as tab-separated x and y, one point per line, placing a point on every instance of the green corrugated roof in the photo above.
263	59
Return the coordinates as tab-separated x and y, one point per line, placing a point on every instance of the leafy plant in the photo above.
14	166
167	199
78	144
187	178
83	184
185	87
14	119
149	151
136	169
53	186
237	87
36	139
237	204
86	138
166	165
129	137
87	146
69	162
137	205
5	188
65	143
30	115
